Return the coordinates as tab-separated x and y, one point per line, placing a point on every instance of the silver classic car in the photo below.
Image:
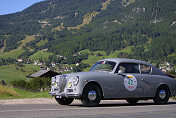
114	78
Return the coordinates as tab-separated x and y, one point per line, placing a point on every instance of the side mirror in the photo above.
120	71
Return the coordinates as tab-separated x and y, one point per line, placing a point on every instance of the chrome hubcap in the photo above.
162	94
92	95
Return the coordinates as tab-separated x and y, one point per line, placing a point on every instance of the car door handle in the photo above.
122	75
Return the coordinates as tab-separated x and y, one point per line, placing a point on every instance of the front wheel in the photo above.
162	95
91	95
64	100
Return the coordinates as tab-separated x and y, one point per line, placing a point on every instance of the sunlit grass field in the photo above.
13	72
40	54
14	93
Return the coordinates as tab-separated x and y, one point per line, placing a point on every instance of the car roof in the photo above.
119	60
155	71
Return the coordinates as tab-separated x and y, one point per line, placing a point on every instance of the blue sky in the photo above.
12	6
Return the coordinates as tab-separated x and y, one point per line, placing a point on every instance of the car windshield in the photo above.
103	66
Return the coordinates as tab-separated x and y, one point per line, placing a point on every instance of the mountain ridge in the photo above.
120	23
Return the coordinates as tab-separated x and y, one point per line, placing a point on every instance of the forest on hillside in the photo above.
148	26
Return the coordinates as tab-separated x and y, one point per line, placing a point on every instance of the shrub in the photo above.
19	83
36	84
4	90
80	67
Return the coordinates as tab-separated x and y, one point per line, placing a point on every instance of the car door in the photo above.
148	81
130	79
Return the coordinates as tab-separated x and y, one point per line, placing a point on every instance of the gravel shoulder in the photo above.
29	101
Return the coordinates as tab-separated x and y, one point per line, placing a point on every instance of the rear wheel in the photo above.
162	95
132	101
91	95
64	100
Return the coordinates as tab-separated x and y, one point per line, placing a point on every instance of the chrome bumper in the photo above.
63	94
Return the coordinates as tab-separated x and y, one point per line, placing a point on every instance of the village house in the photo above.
19	60
38	63
64	69
165	67
44	73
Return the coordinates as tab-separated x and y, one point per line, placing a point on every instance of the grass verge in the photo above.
14	93
8	91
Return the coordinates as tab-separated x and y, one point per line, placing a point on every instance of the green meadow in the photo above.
40	55
13	72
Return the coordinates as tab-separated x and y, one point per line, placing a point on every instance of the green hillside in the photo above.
19	49
66	27
40	55
13	72
95	56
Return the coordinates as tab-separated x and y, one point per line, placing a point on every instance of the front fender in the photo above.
95	83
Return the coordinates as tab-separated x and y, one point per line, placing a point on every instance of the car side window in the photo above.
145	69
128	68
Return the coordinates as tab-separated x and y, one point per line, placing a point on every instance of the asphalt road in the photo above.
107	109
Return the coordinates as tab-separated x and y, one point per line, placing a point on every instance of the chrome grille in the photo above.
62	82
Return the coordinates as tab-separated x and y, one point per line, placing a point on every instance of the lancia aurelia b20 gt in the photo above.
114	78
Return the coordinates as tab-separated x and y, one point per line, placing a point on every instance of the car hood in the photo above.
87	75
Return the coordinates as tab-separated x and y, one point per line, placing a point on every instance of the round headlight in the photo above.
76	81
